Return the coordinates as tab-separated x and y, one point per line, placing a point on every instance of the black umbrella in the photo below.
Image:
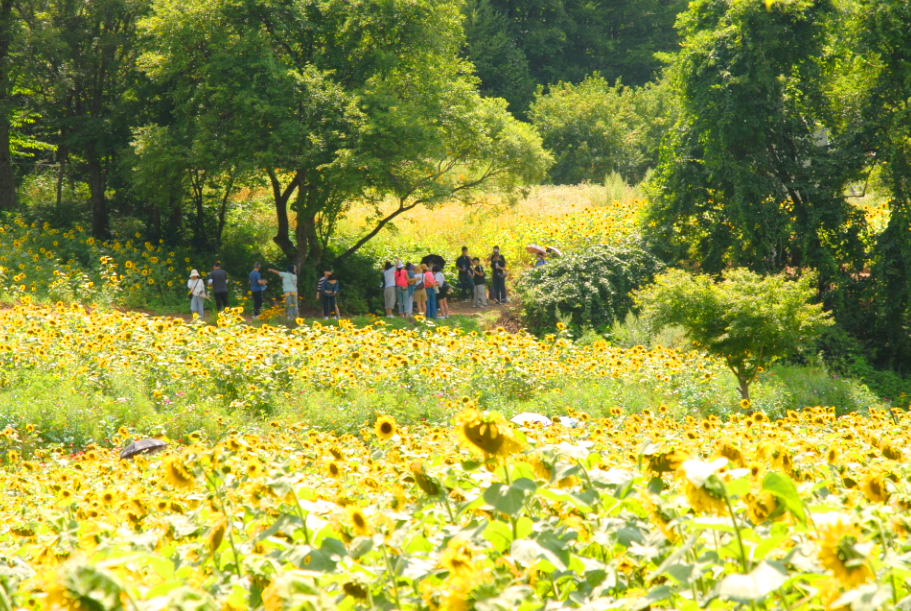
434	260
143	446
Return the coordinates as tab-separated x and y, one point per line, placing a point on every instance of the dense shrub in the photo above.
586	288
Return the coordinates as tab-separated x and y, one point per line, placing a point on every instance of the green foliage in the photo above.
753	173
586	288
594	128
518	46
746	319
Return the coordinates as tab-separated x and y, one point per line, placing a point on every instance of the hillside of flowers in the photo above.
621	512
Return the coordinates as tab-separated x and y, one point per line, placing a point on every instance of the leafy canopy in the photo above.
753	173
746	319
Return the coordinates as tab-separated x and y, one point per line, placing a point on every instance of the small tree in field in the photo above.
747	319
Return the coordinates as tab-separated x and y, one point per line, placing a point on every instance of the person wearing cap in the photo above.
218	280
389	287
198	294
289	288
401	287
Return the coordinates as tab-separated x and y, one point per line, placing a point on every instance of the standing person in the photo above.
218	280
389	291
289	288
430	285
480	290
198	294
498	274
496	255
319	291
443	295
466	279
329	292
420	291
257	286
401	289
540	259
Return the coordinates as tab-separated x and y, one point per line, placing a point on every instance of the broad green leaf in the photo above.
786	492
509	499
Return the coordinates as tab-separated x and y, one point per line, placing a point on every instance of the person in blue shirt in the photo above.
257	286
540	260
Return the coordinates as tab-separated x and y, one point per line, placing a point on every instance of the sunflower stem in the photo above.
445	498
395	588
744	561
300	514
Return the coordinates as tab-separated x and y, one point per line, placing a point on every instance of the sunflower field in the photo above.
636	512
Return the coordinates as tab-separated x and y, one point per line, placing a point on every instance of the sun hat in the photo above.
194	273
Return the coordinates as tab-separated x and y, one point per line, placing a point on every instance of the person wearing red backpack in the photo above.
430	284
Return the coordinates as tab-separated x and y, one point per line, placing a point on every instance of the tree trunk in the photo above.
174	223
7	180
223	210
744	388
281	197
200	237
61	169
99	203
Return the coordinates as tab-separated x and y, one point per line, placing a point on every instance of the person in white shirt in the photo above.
198	294
443	295
289	288
389	287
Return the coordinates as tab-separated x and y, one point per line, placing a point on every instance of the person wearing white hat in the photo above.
198	293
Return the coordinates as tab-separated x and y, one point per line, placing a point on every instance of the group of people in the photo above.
408	288
423	287
217	282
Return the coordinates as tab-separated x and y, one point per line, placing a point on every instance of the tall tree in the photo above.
882	33
339	101
753	173
9	27
83	60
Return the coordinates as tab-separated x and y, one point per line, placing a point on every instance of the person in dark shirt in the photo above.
498	274
493	285
466	282
257	286
218	281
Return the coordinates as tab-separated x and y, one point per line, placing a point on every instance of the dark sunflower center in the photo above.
485	435
386	428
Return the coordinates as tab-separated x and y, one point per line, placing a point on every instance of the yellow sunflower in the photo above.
385	428
486	435
456	558
177	474
874	488
838	552
358	521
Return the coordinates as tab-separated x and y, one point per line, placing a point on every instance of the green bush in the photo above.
587	288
